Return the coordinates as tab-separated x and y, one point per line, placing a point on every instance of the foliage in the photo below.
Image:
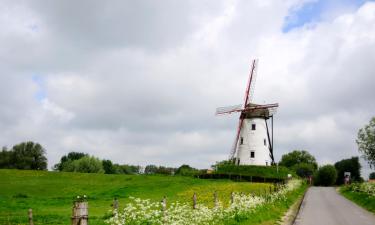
256	171
186	170
50	194
25	155
351	165
86	164
325	176
222	163
304	169
141	211
152	169
66	159
127	169
296	157
361	193
366	142
372	176
108	167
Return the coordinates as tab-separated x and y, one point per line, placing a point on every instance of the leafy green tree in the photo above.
86	164
293	158
372	176
325	176
67	159
108	167
126	169
366	142
186	170
25	155
351	165
5	158
304	169
151	169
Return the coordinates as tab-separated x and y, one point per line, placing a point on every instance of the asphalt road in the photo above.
324	206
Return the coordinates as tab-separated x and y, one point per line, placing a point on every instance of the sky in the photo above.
138	82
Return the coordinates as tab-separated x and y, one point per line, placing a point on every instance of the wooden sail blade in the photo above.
228	109
251	83
234	147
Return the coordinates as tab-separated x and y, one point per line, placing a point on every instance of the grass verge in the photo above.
362	199
270	213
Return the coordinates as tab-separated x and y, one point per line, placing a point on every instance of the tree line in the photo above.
31	156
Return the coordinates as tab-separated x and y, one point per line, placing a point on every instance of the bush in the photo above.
257	171
348	165
325	176
87	164
25	156
186	170
304	169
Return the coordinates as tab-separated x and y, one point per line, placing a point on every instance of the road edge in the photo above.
291	215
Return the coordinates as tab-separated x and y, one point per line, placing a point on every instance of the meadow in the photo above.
50	194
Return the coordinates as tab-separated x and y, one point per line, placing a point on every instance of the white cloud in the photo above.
139	83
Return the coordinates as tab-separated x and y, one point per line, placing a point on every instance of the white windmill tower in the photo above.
253	144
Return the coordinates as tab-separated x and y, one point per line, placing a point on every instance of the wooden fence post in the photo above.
31	217
80	214
194	200
164	208
115	204
215	199
231	197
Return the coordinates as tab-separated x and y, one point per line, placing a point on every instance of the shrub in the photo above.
304	169
87	164
325	176
257	171
186	170
351	165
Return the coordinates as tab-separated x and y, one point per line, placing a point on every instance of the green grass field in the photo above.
50	194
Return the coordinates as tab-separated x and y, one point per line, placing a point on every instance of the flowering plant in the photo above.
82	198
140	211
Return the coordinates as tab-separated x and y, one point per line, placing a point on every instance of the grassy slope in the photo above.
360	199
50	194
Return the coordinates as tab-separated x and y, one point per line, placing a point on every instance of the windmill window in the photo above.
253	127
241	141
265	142
252	154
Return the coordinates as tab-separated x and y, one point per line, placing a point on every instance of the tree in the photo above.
186	170
372	176
325	176
5	158
151	169
351	165
25	155
296	157
366	142
68	158
86	164
108	167
304	169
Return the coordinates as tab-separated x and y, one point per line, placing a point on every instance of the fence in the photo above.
80	212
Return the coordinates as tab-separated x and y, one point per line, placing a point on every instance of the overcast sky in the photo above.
138	82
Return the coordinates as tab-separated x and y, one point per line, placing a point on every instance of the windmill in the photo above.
253	144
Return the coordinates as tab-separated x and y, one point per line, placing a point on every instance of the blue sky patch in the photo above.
315	11
41	92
